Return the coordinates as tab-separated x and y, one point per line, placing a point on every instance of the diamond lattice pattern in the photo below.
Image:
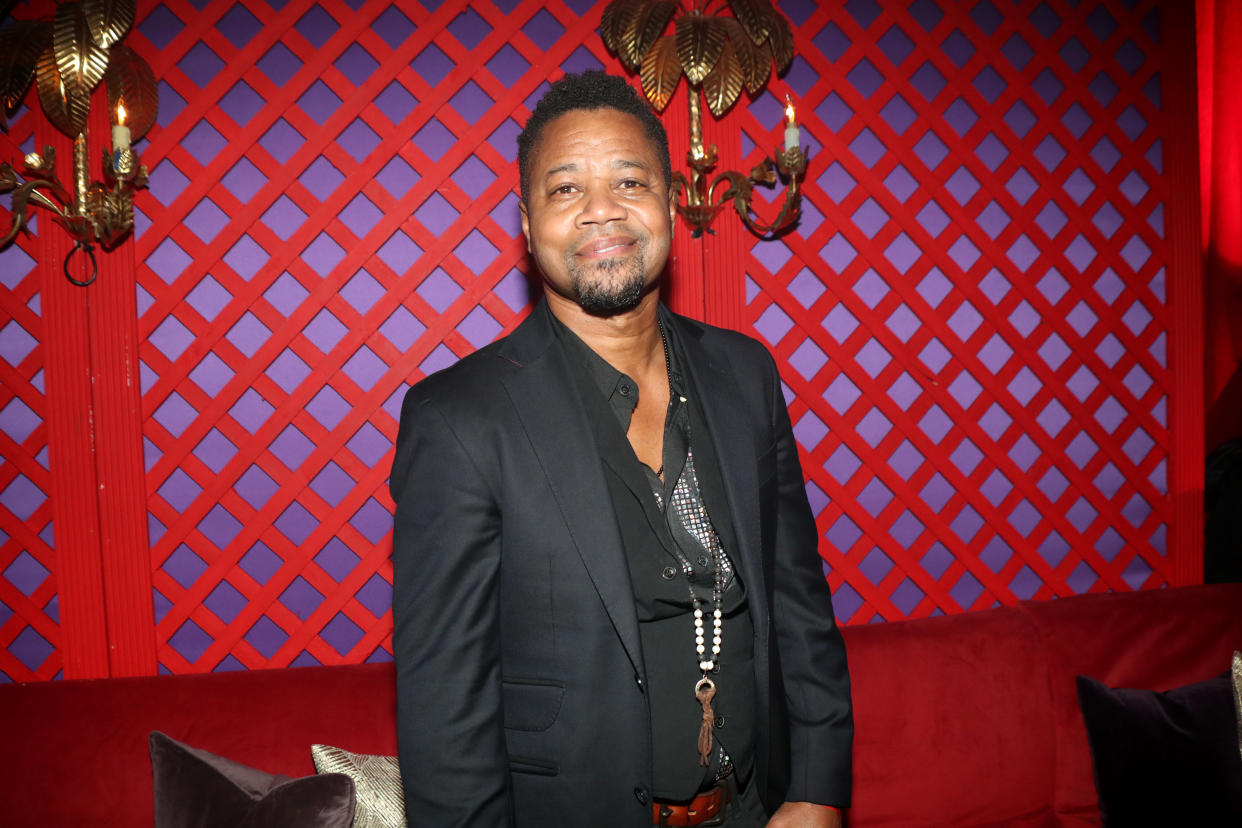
972	314
970	318
29	616
336	218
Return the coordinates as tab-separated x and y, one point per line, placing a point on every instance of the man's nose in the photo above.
601	205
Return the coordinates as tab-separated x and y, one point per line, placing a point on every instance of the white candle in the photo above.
120	132
792	137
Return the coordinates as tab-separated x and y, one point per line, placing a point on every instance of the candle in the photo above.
120	132
792	138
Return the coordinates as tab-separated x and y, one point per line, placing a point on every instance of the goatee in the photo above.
609	287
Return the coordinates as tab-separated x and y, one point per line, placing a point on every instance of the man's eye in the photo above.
563	189
631	184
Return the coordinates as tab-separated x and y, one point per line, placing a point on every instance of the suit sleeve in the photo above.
446	637
809	644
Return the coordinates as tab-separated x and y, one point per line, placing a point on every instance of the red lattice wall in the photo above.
980	319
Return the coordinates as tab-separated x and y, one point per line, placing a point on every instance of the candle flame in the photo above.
789	110
120	114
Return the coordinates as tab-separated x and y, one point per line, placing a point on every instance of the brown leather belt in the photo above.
703	807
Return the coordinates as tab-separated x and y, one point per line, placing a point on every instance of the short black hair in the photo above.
590	90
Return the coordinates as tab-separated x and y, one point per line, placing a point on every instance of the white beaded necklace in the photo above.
705	687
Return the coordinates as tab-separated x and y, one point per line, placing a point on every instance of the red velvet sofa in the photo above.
967	720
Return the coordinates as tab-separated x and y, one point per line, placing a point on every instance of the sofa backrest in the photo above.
973	720
966	720
952	720
75	752
1154	639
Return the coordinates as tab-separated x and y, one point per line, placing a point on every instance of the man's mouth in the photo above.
605	247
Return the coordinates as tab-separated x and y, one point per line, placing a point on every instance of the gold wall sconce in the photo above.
66	58
719	55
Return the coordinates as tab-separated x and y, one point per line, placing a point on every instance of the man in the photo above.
609	610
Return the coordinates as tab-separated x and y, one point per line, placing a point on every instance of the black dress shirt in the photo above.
667	526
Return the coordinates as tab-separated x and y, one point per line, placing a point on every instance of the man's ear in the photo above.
525	224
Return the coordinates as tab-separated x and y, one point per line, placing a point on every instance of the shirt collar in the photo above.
616	387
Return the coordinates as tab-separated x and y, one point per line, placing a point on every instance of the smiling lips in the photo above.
606	246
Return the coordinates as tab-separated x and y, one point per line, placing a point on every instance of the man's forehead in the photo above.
596	129
616	164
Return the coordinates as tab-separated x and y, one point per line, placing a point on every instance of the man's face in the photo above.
598	218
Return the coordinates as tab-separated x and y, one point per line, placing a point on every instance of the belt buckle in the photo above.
685	815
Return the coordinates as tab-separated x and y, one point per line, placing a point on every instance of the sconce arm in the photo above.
791	163
28	191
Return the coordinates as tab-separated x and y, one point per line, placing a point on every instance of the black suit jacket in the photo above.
520	676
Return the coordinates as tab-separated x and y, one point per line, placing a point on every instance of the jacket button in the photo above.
668	573
641	795
720	721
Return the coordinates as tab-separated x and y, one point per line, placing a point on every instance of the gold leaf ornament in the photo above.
755	18
131	81
20	44
54	97
700	40
780	41
645	29
755	61
614	22
80	60
724	83
720	53
108	20
661	72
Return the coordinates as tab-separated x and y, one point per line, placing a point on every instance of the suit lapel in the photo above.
557	425
721	400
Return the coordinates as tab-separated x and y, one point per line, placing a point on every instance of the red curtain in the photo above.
1219	24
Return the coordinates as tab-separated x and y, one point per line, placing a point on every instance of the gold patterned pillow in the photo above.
1237	693
379	801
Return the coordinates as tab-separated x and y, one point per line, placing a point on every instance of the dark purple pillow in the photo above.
1166	758
197	789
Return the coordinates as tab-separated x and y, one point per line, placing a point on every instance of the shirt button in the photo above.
624	389
720	721
641	795
669	573
702	560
